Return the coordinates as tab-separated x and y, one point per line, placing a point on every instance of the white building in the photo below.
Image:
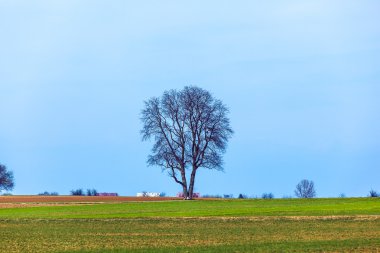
148	194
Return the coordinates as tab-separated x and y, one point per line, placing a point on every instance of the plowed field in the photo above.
13	201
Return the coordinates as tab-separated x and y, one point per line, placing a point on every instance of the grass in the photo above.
278	225
203	208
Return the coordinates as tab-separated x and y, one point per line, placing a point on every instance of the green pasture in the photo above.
202	208
279	225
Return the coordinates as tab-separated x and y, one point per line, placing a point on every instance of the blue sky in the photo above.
301	79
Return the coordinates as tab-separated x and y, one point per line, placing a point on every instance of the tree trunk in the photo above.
192	181
185	193
184	184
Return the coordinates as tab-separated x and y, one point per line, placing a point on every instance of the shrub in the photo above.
373	194
78	192
216	196
46	193
267	196
92	192
242	196
107	194
195	195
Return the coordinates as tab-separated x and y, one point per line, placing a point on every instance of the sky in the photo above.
301	80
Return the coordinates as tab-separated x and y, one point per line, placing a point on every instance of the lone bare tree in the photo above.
305	189
6	179
190	130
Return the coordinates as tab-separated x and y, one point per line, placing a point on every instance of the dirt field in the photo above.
19	201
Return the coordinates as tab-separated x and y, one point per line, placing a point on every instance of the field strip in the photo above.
38	204
274	218
73	199
215	218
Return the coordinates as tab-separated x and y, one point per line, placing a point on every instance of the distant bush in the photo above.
7	194
287	197
373	194
267	196
342	195
242	196
162	194
46	193
78	192
107	194
228	196
216	196
92	192
195	195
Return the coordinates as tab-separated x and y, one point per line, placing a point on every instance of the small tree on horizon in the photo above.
6	179
305	189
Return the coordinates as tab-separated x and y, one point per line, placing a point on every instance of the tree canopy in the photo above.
305	189
6	178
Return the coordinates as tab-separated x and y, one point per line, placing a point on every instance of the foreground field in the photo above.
294	225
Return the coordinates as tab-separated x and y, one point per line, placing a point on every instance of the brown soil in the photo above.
76	199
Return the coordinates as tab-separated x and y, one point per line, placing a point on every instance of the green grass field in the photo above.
279	225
